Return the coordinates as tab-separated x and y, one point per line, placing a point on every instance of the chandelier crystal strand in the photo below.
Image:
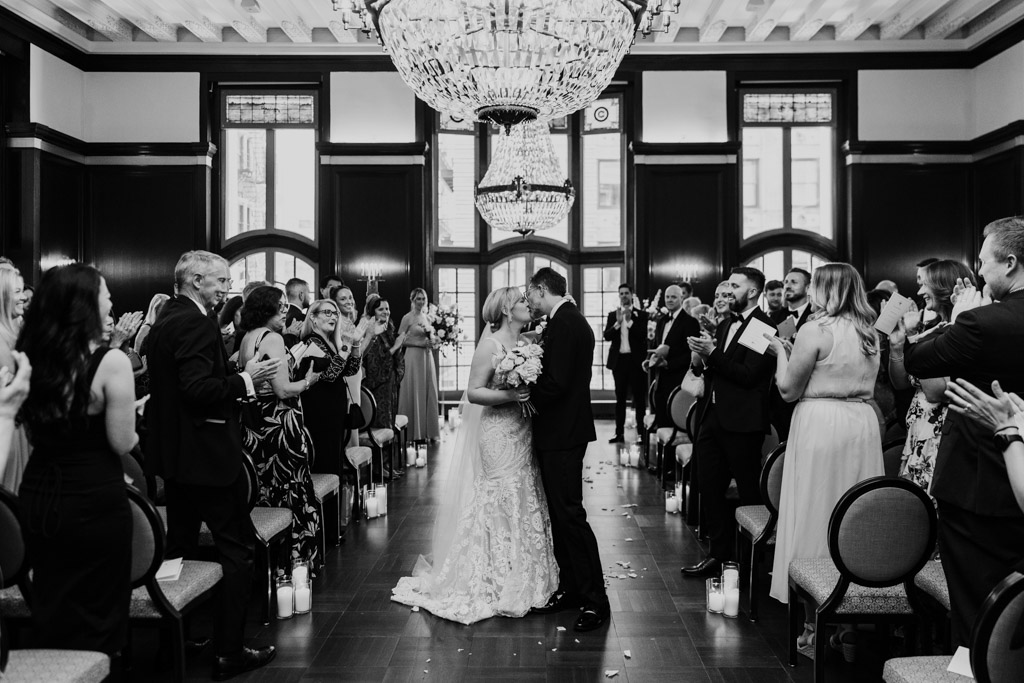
503	61
524	189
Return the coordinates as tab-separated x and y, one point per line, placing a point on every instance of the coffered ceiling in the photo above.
700	27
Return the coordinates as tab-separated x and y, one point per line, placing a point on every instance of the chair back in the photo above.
771	479
691	422
892	456
997	645
148	539
252	482
679	403
13	564
651	391
770	443
882	531
368	404
133	470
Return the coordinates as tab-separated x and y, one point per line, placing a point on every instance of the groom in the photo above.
562	428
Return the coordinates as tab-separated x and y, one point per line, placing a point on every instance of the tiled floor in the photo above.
355	633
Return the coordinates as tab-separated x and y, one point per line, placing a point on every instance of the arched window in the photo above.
775	264
516	271
275	266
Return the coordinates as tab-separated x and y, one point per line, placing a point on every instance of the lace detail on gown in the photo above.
501	562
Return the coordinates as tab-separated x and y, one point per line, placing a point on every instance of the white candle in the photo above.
284	602
716	602
440	423
410	456
382	500
634	456
371	507
732	602
679	497
624	457
420	462
730	578
300	575
670	504
303	600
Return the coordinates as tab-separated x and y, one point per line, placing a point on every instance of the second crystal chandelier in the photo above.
524	190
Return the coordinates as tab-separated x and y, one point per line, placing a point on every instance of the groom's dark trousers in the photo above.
562	429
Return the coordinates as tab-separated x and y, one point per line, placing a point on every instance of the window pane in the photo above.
544	262
560	231
602	190
787	107
269	109
600	295
762	155
287	266
510	273
295	181
603	114
456	175
248	269
457	286
245	176
812	179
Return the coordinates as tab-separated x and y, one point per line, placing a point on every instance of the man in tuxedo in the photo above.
626	334
735	417
562	428
195	445
777	311
981	528
797	296
673	358
297	291
327	283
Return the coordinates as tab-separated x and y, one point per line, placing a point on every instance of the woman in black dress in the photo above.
80	414
326	402
383	361
273	429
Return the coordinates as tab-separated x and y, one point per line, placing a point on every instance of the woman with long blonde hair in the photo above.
12	306
834	440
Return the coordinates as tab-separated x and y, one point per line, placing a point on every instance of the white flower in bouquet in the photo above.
507	364
441	334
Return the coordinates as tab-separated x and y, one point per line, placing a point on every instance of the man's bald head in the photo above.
673	298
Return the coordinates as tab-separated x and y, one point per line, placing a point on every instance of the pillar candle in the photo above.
732	602
670	504
420	462
731	576
410	456
284	602
300	574
382	499
634	456
371	507
716	602
624	457
303	600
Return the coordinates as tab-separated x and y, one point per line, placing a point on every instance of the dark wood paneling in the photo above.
142	220
684	214
901	214
998	190
375	213
61	208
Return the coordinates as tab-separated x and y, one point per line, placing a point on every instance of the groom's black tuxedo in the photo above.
562	428
562	393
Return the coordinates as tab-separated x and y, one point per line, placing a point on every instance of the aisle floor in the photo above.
355	632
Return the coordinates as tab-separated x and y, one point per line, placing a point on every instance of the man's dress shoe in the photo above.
247	660
559	602
709	566
592	617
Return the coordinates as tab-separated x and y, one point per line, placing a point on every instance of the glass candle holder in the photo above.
730	575
634	455
670	502
624	457
302	587
371	505
716	599
381	492
285	598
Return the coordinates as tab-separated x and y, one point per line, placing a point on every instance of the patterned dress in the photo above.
501	561
924	431
383	373
274	435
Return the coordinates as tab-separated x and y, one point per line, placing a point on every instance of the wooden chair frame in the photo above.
759	545
266	559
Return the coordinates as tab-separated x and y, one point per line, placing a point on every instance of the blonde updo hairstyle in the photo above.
498	304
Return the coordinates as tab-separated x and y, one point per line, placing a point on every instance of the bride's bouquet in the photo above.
518	366
446	326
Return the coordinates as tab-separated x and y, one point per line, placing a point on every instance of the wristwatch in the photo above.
1003	441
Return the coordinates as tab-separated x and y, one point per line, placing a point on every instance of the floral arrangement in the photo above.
446	326
518	366
654	313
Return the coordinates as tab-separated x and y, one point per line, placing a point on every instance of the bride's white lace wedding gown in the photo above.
500	561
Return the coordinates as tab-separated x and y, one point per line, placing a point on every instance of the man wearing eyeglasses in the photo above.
195	445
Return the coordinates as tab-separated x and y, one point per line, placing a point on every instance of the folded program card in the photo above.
891	314
170	570
961	663
787	328
753	335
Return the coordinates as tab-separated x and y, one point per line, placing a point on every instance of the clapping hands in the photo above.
966	296
702	345
777	346
127	325
999	411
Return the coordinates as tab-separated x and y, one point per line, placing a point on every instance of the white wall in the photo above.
141	107
997	96
684	106
371	107
915	105
55	95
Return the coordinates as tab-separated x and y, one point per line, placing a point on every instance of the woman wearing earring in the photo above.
418	395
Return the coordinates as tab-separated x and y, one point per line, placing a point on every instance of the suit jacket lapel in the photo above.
736	337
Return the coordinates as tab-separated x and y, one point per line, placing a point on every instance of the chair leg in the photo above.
755	563
177	632
321	536
334	514
794	626
820	639
269	583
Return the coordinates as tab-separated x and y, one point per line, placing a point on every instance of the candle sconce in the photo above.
370	272
687	271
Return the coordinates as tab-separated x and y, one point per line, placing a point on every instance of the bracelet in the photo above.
1007	428
307	385
893	357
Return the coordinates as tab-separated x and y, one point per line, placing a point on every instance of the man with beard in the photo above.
734	419
773	297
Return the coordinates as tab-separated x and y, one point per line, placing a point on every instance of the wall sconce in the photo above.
370	272
687	271
53	261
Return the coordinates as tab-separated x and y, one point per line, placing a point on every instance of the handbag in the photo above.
354	418
692	384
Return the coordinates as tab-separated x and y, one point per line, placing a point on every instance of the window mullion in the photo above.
270	217
787	178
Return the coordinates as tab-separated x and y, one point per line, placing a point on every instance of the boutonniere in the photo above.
542	324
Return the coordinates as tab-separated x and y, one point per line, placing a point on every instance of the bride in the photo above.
492	552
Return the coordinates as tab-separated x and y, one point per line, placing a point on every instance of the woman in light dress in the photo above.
492	552
348	317
12	310
929	405
834	439
417	397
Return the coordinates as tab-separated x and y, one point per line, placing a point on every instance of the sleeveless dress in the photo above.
833	444
383	373
924	432
501	561
274	435
78	532
417	398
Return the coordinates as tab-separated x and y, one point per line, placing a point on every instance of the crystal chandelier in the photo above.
506	61
524	190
